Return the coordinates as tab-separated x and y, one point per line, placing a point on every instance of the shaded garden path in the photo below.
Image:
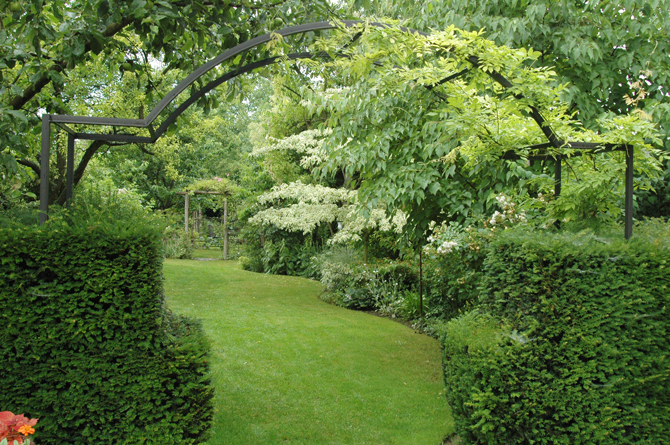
290	369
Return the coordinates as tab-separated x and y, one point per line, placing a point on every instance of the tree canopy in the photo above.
412	139
46	46
435	149
613	54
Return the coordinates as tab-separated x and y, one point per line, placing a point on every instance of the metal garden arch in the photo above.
62	120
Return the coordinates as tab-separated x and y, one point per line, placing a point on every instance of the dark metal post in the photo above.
628	231
44	168
420	282
187	209
69	176
557	184
557	177
225	228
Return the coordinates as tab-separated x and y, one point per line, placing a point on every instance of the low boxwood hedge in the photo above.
568	343
86	344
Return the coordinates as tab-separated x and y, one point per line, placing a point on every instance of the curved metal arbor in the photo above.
47	119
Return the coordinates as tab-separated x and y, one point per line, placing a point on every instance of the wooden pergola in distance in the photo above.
187	209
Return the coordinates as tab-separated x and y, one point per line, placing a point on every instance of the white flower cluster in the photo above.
445	239
508	215
504	202
317	204
497	218
353	224
447	247
299	217
307	143
308	193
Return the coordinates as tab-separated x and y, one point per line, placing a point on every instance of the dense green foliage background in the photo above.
87	344
612	55
567	344
545	352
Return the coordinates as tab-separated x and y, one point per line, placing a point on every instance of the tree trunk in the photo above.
79	172
366	245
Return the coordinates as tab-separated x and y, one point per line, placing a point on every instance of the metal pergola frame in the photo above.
62	120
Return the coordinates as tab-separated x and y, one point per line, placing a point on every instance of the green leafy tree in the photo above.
613	54
45	45
434	149
203	146
601	49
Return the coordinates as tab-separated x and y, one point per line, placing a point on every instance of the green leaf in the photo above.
78	48
20	115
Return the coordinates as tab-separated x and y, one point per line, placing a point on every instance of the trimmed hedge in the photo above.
569	343
86	344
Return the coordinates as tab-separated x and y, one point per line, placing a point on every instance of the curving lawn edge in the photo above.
289	368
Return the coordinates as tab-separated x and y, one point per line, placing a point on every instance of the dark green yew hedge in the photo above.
86	344
569	343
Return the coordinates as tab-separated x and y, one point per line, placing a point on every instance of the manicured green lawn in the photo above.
215	252
208	253
290	369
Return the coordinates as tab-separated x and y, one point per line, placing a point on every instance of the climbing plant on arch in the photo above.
439	148
386	64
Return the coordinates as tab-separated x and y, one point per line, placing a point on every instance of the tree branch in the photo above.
32	90
216	4
144	150
238	5
79	172
32	165
468	183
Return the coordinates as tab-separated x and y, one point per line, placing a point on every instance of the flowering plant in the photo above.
15	429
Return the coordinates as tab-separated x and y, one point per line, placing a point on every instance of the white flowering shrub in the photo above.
452	270
307	144
509	216
333	275
304	207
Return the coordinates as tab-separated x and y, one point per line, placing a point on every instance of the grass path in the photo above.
290	369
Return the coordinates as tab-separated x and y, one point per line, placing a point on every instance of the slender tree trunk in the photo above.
420	282
366	245
187	209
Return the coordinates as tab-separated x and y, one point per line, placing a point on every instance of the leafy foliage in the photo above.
453	270
568	343
300	202
601	50
177	243
387	287
317	205
59	56
87	344
433	148
655	203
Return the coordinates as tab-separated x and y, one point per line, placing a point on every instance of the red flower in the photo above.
13	426
6	420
